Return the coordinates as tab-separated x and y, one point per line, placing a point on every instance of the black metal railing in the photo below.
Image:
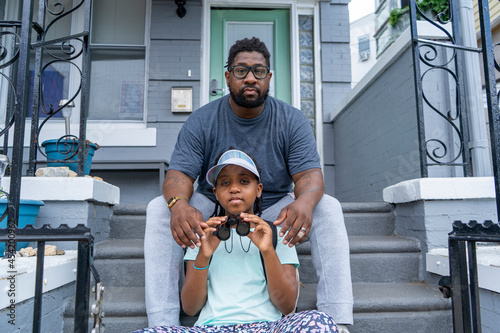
23	38
85	267
462	284
431	57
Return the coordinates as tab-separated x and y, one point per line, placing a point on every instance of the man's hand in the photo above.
185	218
297	216
185	223
297	219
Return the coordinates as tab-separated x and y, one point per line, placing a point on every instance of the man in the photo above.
281	140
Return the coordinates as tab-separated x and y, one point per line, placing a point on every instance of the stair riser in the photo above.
112	324
128	227
398	322
371	267
120	272
369	224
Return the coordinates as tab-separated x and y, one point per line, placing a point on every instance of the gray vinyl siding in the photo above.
335	75
376	142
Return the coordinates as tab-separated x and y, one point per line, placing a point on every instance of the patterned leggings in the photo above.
303	322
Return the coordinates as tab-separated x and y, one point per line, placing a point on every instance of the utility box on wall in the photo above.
182	99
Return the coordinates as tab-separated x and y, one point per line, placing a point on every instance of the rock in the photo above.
27	252
50	250
55	172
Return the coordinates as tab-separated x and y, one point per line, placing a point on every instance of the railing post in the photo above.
37	307
459	286
82	288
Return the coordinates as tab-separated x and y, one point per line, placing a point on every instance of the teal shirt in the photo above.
237	288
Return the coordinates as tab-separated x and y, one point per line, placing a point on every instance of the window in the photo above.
117	55
364	48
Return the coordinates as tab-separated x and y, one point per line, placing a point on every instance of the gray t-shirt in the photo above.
280	140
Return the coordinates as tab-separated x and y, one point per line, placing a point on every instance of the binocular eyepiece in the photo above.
223	231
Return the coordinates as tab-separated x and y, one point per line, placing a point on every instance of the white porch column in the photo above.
479	145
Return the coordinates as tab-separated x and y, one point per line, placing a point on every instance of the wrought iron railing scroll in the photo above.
72	50
444	57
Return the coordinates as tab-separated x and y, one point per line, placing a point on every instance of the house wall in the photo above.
375	137
335	75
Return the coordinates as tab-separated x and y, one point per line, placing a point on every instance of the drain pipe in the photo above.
479	144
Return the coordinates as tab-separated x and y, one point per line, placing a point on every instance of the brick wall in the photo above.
490	310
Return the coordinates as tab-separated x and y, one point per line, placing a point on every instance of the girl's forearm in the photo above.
194	290
281	283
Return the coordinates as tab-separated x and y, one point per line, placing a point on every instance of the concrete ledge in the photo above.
66	189
488	265
20	278
440	189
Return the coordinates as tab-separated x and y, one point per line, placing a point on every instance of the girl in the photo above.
242	285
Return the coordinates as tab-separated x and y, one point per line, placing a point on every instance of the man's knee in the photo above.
328	204
156	204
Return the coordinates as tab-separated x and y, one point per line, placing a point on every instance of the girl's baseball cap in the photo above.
235	157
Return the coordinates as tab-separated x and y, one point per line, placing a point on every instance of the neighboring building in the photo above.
385	33
363	47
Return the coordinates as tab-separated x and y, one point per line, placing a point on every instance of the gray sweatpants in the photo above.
329	251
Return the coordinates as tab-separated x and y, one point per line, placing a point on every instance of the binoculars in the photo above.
224	230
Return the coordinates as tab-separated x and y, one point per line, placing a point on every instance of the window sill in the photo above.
106	134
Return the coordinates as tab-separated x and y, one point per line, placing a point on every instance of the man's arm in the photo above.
309	189
185	218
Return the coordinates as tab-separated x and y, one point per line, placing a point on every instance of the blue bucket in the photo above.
28	211
66	149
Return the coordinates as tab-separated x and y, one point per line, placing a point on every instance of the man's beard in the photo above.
242	101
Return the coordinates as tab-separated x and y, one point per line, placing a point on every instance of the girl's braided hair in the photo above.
257	208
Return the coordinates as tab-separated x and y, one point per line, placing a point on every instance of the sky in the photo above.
360	8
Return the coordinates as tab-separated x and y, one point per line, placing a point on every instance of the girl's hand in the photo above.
211	242
262	236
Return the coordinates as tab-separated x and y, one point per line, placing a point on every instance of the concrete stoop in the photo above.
388	296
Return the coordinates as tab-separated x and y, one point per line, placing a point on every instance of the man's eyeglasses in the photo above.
241	71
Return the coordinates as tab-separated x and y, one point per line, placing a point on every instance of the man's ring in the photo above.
302	232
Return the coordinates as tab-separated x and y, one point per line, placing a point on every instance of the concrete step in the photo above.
385	307
371	259
120	249
361	219
124	308
368	218
129	209
121	272
120	261
392	307
127	227
134	248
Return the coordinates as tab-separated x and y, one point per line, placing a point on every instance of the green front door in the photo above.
272	26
